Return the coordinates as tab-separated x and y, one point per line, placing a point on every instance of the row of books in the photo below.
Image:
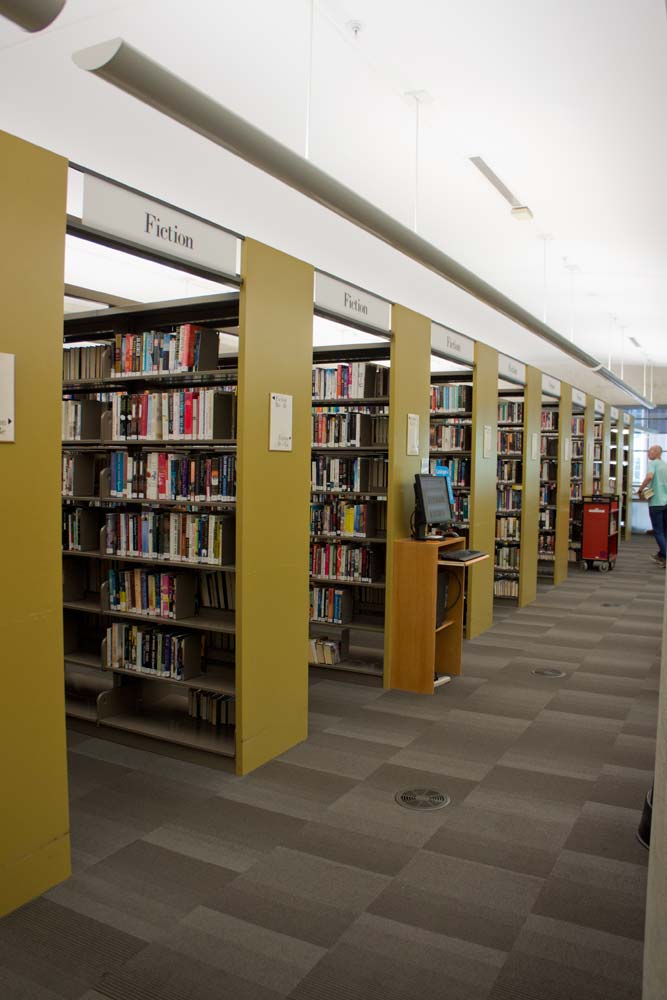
576	491
510	440
548	469
343	561
325	651
450	437
354	380
549	420
349	474
510	470
548	519
76	535
185	349
193	538
144	592
508	528
507	498
451	397
85	362
194	414
349	429
332	605
510	412
461	507
80	419
459	470
577	449
548	494
217	590
549	448
597	430
505	588
340	517
147	649
216	709
161	475
507	557
577	470
578	425
547	546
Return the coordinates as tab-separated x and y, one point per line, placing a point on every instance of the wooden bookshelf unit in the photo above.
426	651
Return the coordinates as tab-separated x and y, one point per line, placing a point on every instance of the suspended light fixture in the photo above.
33	15
134	73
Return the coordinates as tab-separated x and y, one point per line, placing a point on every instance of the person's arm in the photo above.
647	479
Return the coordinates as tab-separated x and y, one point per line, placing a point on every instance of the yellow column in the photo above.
589	444
563	483
409	392
530	503
483	489
275	355
34	843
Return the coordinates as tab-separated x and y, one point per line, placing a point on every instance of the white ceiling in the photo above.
565	101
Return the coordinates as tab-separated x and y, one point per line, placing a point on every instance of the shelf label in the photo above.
7	424
413	434
165	230
488	441
534	446
513	371
551	386
425	466
451	344
353	303
598	406
568	449
614	413
626	418
280	422
578	397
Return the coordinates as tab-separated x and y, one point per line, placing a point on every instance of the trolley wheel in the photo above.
604	567
584	565
612	564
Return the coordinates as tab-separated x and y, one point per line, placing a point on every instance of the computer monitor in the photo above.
432	505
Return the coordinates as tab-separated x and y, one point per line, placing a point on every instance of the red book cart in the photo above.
599	541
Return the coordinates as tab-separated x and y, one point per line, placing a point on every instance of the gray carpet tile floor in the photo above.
306	880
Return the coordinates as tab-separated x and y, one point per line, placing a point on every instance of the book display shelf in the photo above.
627	430
348	509
509	492
149	504
549	474
614	480
577	438
599	475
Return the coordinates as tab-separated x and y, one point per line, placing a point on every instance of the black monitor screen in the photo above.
433	497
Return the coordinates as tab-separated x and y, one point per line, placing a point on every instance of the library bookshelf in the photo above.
578	438
615	460
627	433
555	464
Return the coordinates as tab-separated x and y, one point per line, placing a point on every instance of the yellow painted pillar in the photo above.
275	355
563	474
483	489
34	843
589	444
530	503
409	392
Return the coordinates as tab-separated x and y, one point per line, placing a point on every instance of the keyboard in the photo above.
462	555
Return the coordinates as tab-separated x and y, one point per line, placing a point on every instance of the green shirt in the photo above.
659	482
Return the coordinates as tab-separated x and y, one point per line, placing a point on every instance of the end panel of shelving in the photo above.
409	392
530	504
563	475
483	489
589	444
34	847
272	531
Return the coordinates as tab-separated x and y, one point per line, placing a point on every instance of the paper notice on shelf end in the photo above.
425	466
7	425
488	441
568	449
413	434
280	422
535	446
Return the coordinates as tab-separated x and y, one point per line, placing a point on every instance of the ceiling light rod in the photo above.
33	15
519	209
134	73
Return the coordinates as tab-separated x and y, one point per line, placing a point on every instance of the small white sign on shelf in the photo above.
280	422
568	449
7	425
413	434
425	466
534	446
488	440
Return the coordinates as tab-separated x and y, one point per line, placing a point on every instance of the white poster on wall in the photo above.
7	424
280	422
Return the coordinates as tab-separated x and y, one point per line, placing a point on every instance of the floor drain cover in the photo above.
549	672
422	798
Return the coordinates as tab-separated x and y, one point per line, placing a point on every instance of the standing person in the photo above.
656	478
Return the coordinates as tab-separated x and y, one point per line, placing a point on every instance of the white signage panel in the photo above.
413	434
578	397
599	406
336	297
550	385
488	441
535	446
136	218
614	413
626	418
513	371
453	345
280	422
7	425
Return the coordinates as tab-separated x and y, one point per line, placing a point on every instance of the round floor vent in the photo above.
422	799
549	672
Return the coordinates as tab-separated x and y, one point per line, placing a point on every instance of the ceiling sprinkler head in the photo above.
356	27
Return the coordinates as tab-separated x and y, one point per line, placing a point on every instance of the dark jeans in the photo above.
658	517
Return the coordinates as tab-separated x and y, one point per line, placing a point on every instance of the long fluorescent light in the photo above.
134	73
33	15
